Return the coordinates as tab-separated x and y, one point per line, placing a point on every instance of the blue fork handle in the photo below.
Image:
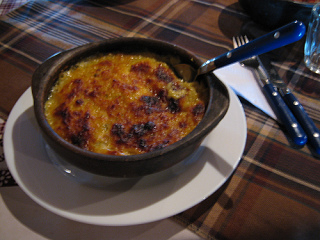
286	117
307	124
285	35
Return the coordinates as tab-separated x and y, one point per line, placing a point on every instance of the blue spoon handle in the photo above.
285	35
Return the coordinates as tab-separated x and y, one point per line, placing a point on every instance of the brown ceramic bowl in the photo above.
133	165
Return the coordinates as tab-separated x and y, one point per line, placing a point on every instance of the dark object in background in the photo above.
275	13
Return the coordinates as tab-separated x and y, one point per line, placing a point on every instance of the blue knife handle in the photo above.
280	108
308	125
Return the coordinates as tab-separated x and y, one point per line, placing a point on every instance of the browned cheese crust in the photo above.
123	104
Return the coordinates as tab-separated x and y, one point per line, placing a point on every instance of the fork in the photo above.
253	62
278	105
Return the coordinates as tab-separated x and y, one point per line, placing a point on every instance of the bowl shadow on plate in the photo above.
45	184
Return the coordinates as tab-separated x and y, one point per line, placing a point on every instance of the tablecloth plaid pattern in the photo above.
9	5
275	191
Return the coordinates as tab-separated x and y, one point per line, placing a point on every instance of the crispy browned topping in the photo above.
123	104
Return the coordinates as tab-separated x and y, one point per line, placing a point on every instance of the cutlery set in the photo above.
286	106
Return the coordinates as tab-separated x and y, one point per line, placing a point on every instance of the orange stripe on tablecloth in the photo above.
285	175
237	208
236	190
289	186
265	214
250	179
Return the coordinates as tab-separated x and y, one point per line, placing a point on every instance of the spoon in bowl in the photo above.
280	37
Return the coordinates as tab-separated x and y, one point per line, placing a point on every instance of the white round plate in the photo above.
121	202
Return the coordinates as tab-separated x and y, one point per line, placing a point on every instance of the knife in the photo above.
295	106
278	105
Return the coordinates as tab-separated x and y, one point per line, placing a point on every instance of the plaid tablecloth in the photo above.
9	5
275	191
